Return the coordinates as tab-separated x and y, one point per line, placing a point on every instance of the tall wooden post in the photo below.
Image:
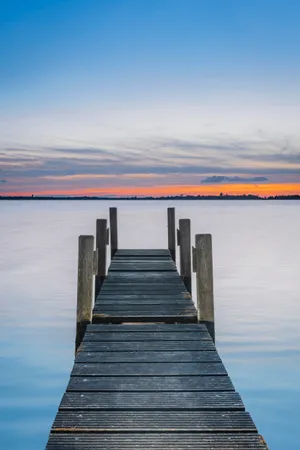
113	225
171	233
101	242
204	277
185	253
84	286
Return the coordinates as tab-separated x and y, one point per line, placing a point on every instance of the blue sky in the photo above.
95	93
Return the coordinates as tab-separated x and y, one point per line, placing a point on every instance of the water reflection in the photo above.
257	285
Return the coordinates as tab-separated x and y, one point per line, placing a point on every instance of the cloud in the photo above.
215	179
3	181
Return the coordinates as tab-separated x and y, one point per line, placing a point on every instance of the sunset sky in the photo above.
149	97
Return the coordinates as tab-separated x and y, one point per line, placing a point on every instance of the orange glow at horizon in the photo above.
169	190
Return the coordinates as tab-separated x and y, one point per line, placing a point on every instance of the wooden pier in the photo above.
147	374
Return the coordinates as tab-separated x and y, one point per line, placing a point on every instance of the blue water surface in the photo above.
257	298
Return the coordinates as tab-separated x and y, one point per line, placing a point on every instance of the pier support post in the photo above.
84	286
204	276
171	233
113	225
185	253
101	242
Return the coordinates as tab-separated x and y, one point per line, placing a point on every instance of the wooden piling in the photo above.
101	242
171	233
113	225
185	252
84	286
204	277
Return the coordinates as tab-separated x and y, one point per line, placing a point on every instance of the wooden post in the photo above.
113	225
171	233
84	286
204	277
185	253
101	242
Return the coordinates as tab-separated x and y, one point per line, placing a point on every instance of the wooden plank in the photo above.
147	296
201	401
141	268
143	252
151	383
143	276
147	336
142	441
150	327
155	441
147	369
150	262
163	346
149	357
119	318
164	421
158	300
150	310
153	288
136	259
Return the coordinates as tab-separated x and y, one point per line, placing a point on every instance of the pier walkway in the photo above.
147	374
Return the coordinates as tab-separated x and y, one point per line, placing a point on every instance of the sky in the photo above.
149	97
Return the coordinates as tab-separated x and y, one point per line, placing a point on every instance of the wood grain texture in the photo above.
156	441
185	253
101	239
151	383
164	421
147	369
171	232
201	401
204	277
84	286
149	357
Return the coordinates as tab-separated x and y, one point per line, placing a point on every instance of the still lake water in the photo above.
256	249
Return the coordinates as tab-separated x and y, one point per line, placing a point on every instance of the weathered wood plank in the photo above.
151	383
141	346
141	268
155	441
146	310
158	300
149	327
164	421
153	357
201	401
119	318
143	252
147	336
147	369
141	297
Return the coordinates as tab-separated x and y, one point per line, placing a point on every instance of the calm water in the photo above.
257	294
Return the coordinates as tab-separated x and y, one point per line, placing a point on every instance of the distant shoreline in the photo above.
176	197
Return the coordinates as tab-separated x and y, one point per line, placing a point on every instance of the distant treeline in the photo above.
172	197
